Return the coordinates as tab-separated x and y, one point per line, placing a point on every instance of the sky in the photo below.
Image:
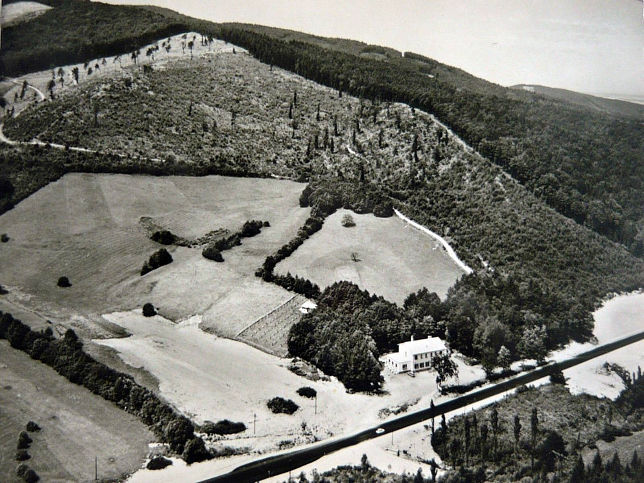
592	46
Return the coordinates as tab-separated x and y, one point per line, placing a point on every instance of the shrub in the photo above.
3	290
158	463
158	259
383	210
195	451
64	282
347	221
149	310
251	228
223	427
24	441
4	238
177	432
22	455
281	405
558	378
32	427
21	469
31	476
307	392
164	237
211	252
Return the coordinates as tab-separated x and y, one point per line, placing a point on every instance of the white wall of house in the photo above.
414	355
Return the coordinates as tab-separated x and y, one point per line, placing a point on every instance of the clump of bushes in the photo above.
27	474
223	427
64	282
4	238
307	392
158	463
3	290
347	221
22	455
281	405
32	427
249	229
149	310
195	451
211	252
252	228
164	237
24	441
157	259
383	210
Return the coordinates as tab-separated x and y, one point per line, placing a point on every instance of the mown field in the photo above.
88	228
77	426
391	258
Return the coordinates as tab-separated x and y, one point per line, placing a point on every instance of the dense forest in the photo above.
586	165
542	432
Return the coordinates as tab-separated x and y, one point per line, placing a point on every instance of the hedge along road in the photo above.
282	463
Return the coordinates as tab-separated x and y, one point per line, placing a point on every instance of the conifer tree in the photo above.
494	422
517	434
534	429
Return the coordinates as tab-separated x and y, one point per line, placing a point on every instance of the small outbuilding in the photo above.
308	307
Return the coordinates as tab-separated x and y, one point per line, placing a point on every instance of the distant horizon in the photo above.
594	47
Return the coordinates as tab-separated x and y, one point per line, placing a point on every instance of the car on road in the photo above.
380	430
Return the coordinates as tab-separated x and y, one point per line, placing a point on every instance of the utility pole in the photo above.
316	404
254	420
95	468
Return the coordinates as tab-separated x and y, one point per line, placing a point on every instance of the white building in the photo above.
415	355
308	306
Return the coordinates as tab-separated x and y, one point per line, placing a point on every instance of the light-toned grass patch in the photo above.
382	255
87	227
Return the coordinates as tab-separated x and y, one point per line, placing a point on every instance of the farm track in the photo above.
36	142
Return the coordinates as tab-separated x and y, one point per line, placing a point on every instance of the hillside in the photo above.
601	104
586	164
225	112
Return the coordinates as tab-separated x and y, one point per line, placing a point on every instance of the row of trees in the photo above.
66	356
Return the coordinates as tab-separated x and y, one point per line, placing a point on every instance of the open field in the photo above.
394	260
76	425
211	378
87	227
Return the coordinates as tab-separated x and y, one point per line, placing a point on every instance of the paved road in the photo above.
279	464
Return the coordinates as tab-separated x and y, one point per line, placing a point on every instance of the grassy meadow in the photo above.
391	258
